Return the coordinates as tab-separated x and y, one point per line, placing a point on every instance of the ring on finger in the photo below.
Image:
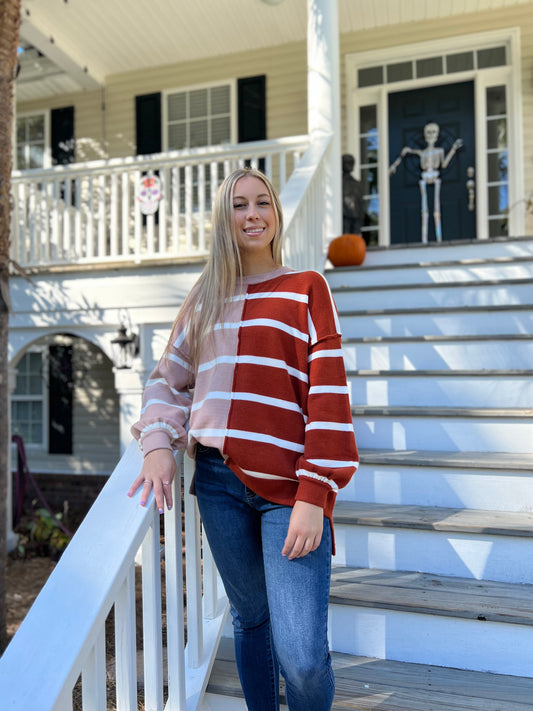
147	481
166	483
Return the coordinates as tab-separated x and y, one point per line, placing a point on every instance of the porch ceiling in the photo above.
84	42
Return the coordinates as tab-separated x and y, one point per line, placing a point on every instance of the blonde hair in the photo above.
208	299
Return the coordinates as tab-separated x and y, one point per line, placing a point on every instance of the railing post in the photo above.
193	569
175	607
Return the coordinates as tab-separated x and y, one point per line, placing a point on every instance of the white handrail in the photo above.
304	199
62	637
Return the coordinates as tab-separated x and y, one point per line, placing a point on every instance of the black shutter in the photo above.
60	400
62	135
252	108
148	123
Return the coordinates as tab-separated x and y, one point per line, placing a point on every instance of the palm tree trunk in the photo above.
9	37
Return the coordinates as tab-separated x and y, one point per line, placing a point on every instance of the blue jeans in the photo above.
279	606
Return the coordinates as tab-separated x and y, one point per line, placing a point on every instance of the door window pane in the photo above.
429	67
371	76
493	57
460	62
31	142
399	72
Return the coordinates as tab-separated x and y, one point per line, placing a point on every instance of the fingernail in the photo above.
169	507
160	511
143	503
128	494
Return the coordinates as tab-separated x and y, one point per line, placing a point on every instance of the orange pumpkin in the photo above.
347	251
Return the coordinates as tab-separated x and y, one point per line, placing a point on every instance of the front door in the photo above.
432	160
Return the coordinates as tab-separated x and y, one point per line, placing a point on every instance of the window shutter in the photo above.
148	123
62	135
252	108
60	400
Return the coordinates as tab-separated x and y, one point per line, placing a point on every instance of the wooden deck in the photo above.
368	684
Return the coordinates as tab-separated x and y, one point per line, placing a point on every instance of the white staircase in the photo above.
435	531
432	589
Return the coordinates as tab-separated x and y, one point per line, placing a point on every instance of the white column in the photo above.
129	384
323	97
11	536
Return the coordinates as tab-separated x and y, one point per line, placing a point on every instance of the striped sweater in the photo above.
270	392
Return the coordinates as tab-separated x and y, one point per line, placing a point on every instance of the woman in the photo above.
269	424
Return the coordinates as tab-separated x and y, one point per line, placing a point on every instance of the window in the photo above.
28	399
31	149
497	161
199	117
368	142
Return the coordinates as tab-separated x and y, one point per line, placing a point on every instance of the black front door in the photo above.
451	108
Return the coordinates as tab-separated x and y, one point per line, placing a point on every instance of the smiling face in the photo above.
255	222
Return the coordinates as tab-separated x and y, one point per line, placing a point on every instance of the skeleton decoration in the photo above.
432	160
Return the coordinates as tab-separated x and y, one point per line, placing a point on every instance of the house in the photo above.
435	103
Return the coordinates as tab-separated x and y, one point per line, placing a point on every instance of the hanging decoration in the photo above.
149	193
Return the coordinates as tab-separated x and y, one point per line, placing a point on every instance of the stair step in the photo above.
449	295
444	428
434	518
442	388
437	321
472	460
459	271
438	352
407	591
370	684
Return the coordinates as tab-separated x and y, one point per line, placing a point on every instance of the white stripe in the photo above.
253	360
179	340
249	397
178	360
207	432
317	477
161	381
312	330
328	390
336	426
291	295
335	353
262	475
154	401
333	463
266	439
279	325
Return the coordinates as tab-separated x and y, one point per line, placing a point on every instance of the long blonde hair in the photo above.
208	299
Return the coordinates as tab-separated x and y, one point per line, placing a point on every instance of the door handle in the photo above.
471	187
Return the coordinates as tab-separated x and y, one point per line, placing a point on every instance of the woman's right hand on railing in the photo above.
157	473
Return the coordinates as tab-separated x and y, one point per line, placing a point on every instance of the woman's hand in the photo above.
305	530
157	473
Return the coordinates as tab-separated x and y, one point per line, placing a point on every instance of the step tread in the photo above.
436	310
439	338
415	411
420	372
424	593
478	283
459	460
368	684
434	518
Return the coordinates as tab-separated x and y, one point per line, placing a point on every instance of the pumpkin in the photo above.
347	251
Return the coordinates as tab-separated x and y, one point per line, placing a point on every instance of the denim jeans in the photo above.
279	606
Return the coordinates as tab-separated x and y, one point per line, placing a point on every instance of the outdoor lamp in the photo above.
125	347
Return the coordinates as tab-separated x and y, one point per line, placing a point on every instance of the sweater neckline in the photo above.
265	276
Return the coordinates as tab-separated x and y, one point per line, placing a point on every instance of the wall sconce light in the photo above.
125	347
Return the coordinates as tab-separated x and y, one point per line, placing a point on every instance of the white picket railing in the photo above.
89	213
62	639
305	200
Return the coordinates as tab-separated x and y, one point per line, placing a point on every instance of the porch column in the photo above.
323	98
11	536
129	384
